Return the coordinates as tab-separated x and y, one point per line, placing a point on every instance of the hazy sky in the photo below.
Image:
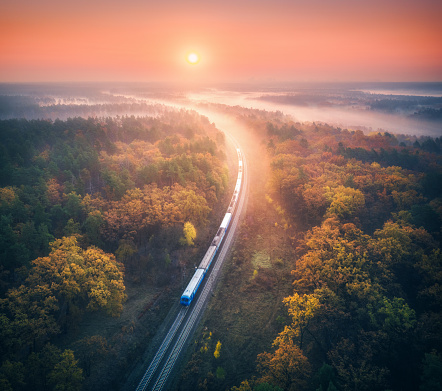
237	40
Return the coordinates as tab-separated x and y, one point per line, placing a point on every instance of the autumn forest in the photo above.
334	282
365	310
80	200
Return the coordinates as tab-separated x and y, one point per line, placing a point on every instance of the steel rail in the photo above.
162	350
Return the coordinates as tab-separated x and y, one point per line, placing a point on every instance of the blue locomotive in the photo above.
195	282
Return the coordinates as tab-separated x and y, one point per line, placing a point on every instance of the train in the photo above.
198	277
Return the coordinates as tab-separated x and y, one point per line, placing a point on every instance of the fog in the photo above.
344	117
341	116
405	108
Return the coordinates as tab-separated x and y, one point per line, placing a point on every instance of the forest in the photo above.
90	207
334	281
366	298
340	273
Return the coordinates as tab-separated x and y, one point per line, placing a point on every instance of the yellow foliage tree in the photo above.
88	279
287	368
217	352
189	232
346	202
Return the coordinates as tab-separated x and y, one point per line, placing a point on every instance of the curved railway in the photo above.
157	374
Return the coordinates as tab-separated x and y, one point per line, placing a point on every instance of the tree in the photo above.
430	268
71	228
193	207
431	378
103	285
326	378
30	314
12	375
355	366
66	376
92	352
39	365
302	309
92	226
74	206
217	352
189	234
220	373
244	386
395	316
125	250
345	202
70	276
287	368
266	387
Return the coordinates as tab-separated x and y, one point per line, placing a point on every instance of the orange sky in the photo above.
237	40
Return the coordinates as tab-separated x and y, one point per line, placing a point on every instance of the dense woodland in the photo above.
336	274
344	237
88	205
364	214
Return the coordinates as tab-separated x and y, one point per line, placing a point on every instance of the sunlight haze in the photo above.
239	40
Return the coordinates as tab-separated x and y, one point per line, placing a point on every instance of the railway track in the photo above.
158	372
162	350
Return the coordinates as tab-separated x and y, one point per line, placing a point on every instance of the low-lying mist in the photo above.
344	116
413	109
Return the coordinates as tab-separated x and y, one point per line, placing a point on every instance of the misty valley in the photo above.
110	195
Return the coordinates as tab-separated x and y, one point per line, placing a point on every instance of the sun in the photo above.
193	58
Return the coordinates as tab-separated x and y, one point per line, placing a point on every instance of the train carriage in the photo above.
204	266
208	258
192	288
226	221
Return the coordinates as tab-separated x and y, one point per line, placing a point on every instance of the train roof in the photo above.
208	257
226	220
194	282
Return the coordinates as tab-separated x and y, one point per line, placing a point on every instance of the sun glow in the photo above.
193	58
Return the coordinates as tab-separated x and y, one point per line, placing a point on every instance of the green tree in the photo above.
66	375
12	375
72	228
92	352
125	250
73	206
92	227
220	373
30	314
326	378
355	365
431	378
39	365
266	387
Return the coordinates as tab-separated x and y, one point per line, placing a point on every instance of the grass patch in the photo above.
261	260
